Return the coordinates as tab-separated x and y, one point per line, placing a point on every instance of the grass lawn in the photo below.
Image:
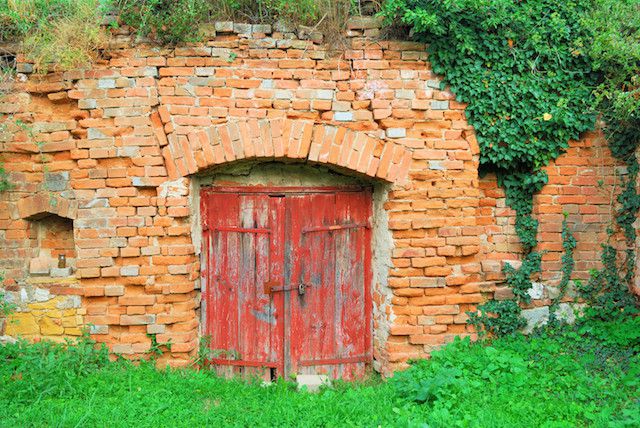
588	375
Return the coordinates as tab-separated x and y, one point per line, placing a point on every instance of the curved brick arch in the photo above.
43	204
286	138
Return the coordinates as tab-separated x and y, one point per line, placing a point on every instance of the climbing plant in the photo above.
522	69
615	53
535	74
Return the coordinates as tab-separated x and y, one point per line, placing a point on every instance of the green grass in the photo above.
584	376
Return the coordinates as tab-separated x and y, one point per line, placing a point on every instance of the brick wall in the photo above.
115	147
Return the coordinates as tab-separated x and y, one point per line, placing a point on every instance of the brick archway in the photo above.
43	204
283	138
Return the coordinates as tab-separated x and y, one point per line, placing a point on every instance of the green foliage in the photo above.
582	376
156	349
607	292
168	21
303	12
61	33
585	376
6	307
615	53
519	64
568	263
529	88
5	184
48	368
498	317
535	73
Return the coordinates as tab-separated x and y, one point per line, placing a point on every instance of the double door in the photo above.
287	280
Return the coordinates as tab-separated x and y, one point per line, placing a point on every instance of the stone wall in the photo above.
116	149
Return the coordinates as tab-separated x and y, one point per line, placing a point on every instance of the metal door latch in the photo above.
272	286
302	288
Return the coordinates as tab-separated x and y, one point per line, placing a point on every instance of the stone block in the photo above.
536	291
364	22
106	83
24	67
56	181
61	272
95	134
242	28
114	290
503	293
156	328
261	28
312	383
435	165
99	329
324	94
568	312
282	26
434	84
130	270
40	266
396	132
22	324
41	295
535	317
223	26
440	105
71	302
343	116
51	327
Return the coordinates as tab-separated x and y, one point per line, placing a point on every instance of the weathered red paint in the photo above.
287	278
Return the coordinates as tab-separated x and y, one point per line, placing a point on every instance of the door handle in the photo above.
270	287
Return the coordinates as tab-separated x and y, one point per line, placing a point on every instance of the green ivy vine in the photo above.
535	74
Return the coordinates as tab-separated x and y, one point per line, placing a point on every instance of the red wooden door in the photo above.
287	278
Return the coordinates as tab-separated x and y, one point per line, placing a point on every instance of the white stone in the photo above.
536	291
312	383
106	83
174	188
42	295
567	312
129	270
343	116
396	132
405	94
224	26
87	103
99	329
7	340
324	94
156	328
440	105
261	28
283	94
535	317
205	71
150	71
70	303
435	84
242	28
436	165
266	84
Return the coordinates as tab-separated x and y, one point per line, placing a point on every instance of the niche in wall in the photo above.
53	247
